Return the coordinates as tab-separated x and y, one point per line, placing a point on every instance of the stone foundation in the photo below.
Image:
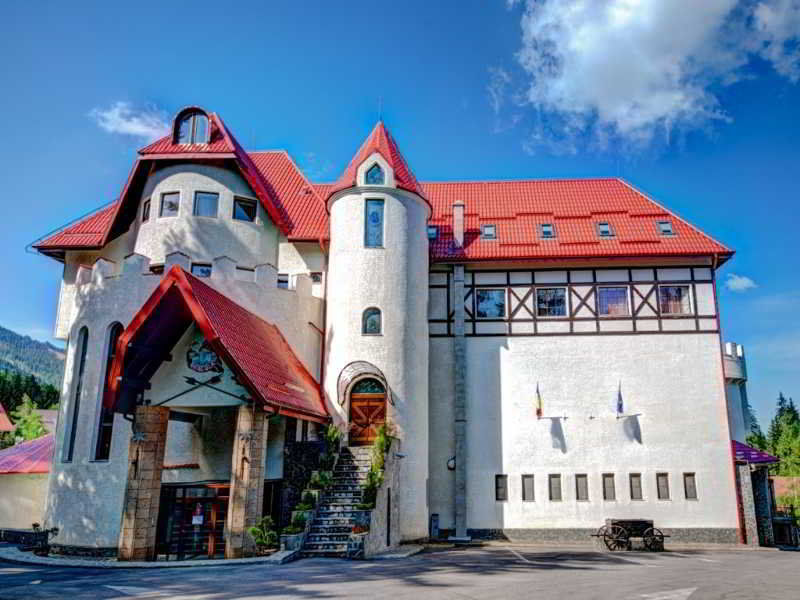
694	535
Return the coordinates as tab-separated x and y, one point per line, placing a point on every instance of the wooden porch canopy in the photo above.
254	349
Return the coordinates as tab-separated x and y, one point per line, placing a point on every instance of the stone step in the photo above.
343	494
327	538
331	529
350	468
325	547
323	554
345	487
339	512
345	478
332	521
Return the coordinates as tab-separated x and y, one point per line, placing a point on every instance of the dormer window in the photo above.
375	175
604	229
548	230
488	232
433	232
665	228
192	128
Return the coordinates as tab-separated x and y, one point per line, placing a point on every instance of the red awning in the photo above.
28	457
748	454
254	349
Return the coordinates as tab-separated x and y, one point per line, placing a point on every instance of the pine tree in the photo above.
28	423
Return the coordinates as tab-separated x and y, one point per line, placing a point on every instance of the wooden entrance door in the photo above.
367	411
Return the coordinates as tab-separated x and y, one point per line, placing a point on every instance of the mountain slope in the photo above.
25	355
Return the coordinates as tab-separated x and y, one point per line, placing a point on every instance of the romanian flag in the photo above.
538	402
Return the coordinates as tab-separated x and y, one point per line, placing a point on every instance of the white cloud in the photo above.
148	124
639	70
739	283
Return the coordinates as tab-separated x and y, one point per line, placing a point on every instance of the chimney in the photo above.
458	224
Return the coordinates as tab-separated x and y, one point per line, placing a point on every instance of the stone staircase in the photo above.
337	514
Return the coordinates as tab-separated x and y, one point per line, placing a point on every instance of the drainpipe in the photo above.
459	383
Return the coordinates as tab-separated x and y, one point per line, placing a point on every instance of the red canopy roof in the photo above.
253	348
5	422
28	457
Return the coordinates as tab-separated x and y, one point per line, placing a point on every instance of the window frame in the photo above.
194	204
501	488
693	476
370	168
146	210
631	477
201	265
485	228
609	477
599	229
551	477
191	116
552	287
79	370
282	278
585	478
552	227
382	203
525	478
627	289
105	419
364	316
664	474
478	290
690	310
670	233
245	200
161	214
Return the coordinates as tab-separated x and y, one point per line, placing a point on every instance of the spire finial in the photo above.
380	108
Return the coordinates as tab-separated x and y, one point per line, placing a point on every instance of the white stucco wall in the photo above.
394	279
303	258
22	499
674	381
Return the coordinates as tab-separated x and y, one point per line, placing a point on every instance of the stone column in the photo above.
143	493
247	480
460	403
745	484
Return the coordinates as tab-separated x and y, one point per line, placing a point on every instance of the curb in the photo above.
15	555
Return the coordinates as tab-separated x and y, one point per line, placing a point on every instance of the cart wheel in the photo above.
653	539
615	538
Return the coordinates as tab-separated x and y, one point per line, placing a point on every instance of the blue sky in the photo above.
699	112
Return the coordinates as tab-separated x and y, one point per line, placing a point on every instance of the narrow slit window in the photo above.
170	204
80	358
201	270
636	486
690	486
548	230
244	209
554	486
205	204
488	232
146	211
373	224
582	487
528	494
105	427
501	488
609	490
612	301
662	485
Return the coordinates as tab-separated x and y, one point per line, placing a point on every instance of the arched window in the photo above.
371	321
375	175
191	128
80	367
105	425
368	386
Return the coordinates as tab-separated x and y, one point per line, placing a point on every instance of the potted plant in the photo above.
292	536
265	536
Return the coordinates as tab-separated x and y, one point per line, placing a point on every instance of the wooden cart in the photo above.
617	534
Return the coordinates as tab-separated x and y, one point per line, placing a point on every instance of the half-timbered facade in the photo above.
546	352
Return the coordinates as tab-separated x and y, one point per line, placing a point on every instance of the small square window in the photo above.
283	281
554	487
528	494
146	211
609	490
604	229
316	277
490	304
582	488
636	486
205	204
662	485
665	228
690	486
551	302
201	270
244	209
433	232
548	230
612	301
170	203
501	488
489	232
674	300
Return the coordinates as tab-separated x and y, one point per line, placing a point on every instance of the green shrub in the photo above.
303	506
264	533
310	499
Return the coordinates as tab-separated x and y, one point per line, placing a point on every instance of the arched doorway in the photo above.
367	411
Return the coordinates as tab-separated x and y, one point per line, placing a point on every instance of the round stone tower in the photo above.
376	327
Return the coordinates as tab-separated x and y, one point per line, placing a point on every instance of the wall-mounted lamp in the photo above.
451	464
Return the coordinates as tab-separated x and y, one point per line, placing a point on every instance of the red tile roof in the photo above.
5	423
382	142
516	208
28	457
255	349
748	454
